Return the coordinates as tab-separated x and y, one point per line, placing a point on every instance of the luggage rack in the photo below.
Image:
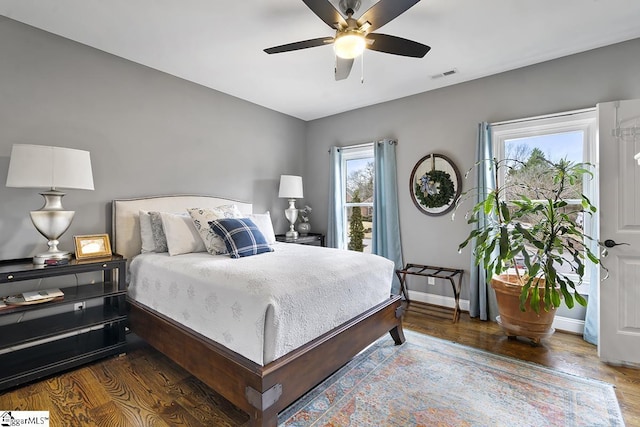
449	274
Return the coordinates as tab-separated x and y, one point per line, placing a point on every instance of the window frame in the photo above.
364	151
581	120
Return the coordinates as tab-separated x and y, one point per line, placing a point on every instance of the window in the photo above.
357	189
569	136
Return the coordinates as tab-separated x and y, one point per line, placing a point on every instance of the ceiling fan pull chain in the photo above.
362	68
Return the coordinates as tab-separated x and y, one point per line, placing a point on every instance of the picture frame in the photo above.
92	246
435	184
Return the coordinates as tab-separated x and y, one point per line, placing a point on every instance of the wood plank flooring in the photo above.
144	388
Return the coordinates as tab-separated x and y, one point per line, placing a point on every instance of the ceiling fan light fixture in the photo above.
349	45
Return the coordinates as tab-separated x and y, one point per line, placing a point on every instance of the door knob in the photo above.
612	243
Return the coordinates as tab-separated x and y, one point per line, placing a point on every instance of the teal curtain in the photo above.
386	218
335	237
482	300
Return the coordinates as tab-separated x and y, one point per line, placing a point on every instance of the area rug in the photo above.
431	382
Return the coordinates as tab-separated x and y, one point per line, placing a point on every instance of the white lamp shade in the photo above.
39	166
290	187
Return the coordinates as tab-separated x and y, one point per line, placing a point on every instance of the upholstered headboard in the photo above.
126	239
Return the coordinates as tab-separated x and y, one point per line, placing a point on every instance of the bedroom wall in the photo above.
445	120
148	133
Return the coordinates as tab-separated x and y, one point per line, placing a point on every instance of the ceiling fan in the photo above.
354	35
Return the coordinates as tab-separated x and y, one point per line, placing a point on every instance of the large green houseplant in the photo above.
530	241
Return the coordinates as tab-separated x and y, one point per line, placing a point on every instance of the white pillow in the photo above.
182	236
146	235
264	224
201	218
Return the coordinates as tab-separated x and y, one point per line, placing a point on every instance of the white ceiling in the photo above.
219	44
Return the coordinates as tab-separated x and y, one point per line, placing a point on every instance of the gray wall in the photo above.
445	121
148	133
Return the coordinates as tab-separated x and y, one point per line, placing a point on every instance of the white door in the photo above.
619	142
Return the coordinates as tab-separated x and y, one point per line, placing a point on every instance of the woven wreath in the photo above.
435	189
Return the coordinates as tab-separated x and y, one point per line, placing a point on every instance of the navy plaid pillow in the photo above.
241	236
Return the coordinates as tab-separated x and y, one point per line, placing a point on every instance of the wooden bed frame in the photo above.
260	391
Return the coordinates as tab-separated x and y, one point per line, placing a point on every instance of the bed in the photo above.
261	379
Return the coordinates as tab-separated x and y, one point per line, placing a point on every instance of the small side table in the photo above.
431	271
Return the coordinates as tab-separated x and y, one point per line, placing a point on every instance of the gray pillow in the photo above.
159	238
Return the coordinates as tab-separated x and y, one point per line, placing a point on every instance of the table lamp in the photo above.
51	168
291	188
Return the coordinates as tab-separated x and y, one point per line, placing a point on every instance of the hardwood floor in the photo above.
144	388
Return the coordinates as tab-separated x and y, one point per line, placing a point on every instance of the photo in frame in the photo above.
92	246
435	184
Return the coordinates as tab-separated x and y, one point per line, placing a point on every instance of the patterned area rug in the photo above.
431	382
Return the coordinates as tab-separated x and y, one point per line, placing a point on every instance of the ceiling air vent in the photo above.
445	74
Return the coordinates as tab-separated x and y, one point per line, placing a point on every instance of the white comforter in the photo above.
263	306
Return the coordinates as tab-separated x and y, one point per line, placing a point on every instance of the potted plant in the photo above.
530	241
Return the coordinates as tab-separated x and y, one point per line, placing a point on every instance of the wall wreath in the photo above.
435	184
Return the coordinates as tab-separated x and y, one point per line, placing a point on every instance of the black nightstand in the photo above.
312	239
62	336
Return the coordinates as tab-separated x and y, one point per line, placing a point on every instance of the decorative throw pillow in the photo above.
241	236
182	236
201	218
263	221
159	238
146	235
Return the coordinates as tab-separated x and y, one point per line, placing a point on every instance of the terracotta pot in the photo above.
514	322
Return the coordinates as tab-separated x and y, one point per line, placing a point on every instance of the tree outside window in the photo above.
358	165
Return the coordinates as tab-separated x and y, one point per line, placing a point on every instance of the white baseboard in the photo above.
439	300
566	324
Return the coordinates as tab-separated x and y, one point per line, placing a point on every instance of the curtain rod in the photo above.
366	144
545	116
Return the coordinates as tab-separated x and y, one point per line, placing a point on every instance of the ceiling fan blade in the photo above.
343	68
300	45
397	45
326	12
385	11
